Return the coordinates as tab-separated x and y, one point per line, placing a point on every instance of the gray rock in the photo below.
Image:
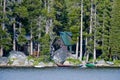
101	62
4	60
15	63
60	55
26	62
67	63
40	65
50	64
17	58
30	62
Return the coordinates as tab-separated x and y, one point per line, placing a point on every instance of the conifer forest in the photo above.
31	26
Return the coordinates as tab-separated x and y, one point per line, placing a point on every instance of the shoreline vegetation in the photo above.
31	63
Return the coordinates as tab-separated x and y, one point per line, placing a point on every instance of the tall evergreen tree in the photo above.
61	18
34	10
115	29
4	35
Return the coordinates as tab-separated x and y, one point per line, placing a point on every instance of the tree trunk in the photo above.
94	53
4	12
39	35
3	24
1	51
103	28
94	57
87	57
81	35
91	27
14	42
31	43
77	44
91	17
38	52
86	53
48	20
47	26
20	25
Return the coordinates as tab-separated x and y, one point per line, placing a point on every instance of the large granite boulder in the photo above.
4	61
60	55
17	58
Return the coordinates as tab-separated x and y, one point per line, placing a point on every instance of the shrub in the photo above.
74	61
117	62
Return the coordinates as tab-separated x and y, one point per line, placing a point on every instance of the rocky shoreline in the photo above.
56	66
52	65
19	59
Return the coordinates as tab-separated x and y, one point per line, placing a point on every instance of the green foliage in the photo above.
5	39
45	41
74	61
61	16
117	62
43	58
21	11
21	38
75	32
114	31
34	16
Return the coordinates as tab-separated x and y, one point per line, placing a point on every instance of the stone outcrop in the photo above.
60	55
4	61
17	58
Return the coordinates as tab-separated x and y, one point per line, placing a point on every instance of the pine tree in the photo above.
73	9
4	36
61	18
115	29
34	11
81	32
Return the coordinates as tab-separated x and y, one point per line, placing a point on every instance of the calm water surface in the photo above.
59	74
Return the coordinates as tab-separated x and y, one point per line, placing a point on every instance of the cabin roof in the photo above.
66	38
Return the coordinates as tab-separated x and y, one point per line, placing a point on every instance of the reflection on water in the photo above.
59	74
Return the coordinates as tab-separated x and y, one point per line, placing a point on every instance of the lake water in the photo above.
60	74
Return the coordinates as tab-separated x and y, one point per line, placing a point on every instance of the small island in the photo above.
59	33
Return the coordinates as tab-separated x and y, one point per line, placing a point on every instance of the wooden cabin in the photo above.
63	41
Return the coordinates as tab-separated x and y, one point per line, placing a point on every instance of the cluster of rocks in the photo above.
17	58
102	63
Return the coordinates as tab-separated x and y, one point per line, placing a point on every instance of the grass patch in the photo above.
117	62
74	61
43	58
